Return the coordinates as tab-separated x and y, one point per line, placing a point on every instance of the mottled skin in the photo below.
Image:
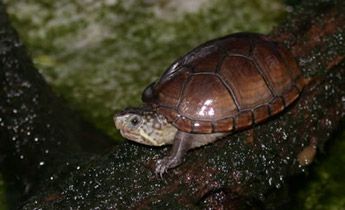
150	128
145	127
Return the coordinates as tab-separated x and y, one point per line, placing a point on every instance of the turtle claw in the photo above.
180	146
164	164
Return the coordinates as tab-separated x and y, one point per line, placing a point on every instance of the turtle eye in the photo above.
135	121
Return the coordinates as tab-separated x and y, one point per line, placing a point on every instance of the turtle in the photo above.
224	85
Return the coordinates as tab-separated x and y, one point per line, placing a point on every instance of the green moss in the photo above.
100	55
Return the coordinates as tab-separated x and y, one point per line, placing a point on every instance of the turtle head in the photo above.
145	127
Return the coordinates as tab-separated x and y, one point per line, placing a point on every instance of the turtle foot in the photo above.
164	164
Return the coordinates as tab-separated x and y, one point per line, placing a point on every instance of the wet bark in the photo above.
47	164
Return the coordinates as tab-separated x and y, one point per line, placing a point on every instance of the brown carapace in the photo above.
227	84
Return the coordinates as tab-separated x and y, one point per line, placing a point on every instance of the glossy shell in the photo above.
227	84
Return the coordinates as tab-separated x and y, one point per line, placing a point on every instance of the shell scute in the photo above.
205	98
169	91
273	68
198	63
224	125
245	81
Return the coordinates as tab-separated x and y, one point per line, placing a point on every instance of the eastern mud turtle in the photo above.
221	86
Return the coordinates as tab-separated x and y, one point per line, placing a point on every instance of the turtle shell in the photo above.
227	84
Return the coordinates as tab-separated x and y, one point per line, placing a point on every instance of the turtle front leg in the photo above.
182	143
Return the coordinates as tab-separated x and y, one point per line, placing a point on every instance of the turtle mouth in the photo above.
129	135
137	137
